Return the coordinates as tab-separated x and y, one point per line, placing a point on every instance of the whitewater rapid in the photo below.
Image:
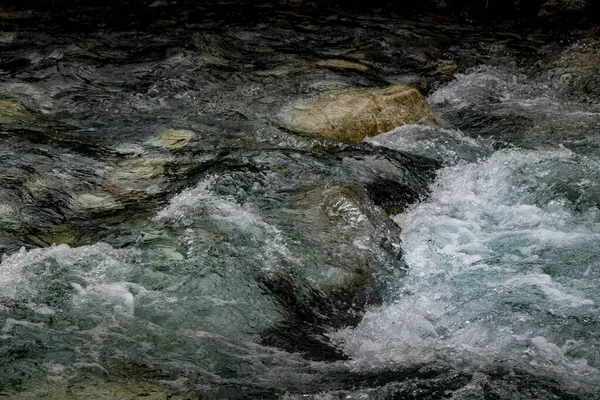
502	268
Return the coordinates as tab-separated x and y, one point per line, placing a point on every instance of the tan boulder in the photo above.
175	138
94	202
355	114
140	169
341	64
11	111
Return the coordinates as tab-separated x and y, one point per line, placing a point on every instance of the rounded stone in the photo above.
355	114
11	111
175	138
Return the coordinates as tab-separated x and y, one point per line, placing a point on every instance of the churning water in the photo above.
503	260
251	263
500	272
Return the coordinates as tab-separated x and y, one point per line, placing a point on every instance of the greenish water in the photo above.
428	262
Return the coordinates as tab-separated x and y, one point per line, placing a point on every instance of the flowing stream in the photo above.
456	261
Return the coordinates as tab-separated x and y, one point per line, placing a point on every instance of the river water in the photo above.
458	261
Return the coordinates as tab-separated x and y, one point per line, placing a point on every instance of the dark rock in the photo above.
563	10
392	196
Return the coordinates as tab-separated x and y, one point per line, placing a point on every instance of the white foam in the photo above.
477	244
97	273
117	295
192	205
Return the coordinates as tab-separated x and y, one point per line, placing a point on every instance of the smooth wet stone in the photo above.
140	169
60	234
342	64
11	111
99	202
356	114
7	37
175	138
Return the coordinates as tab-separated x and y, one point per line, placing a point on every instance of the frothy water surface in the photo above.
503	270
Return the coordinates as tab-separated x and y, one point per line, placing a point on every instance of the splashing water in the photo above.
499	271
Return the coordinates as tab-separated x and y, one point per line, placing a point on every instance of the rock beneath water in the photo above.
9	13
562	10
11	111
175	138
7	37
577	68
100	202
137	180
9	218
361	227
60	234
353	245
443	68
140	169
341	64
352	240
356	114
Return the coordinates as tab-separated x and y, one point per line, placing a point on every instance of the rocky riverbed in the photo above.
298	200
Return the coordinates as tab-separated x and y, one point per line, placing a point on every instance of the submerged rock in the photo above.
562	10
341	64
349	237
577	67
137	180
353	246
356	114
7	37
8	217
9	13
95	202
11	111
60	234
140	169
360	225
176	138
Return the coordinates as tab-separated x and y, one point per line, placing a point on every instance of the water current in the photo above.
455	261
